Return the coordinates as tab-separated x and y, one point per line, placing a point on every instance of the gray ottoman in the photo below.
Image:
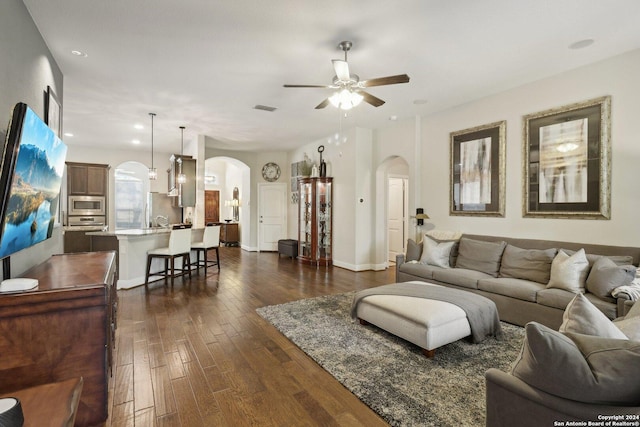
427	323
288	247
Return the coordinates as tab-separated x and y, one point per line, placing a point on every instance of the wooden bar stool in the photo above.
179	247
210	240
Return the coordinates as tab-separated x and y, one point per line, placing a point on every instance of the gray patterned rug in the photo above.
389	374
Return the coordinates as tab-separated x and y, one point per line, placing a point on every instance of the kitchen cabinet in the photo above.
76	241
315	221
87	179
63	329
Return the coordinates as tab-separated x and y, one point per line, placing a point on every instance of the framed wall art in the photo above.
567	161
53	113
477	181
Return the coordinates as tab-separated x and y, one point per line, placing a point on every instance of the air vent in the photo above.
265	108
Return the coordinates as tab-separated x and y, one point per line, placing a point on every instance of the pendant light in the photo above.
182	178
153	172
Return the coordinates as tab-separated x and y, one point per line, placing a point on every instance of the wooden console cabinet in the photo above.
229	233
63	329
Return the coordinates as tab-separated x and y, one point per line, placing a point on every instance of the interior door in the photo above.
272	215
211	206
396	217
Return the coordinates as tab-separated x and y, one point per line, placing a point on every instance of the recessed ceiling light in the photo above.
79	53
68	134
393	118
136	141
138	126
420	101
581	44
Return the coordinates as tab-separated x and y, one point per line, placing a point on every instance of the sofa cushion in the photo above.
592	258
630	327
580	367
559	298
606	275
582	317
569	272
460	277
436	253
527	264
419	270
515	288
480	256
414	251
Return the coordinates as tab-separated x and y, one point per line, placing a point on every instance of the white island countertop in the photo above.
132	246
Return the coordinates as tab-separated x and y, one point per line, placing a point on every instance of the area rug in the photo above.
391	375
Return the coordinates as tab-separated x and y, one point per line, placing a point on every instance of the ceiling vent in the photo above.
265	108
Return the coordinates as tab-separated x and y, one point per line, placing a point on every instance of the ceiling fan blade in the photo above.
319	86
390	80
370	99
342	69
322	104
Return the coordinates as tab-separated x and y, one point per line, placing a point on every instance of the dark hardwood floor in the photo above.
198	354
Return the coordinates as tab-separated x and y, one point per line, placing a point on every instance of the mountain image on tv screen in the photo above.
35	187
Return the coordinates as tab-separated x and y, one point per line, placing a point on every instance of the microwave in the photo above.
87	205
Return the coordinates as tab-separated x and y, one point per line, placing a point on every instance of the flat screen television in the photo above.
30	178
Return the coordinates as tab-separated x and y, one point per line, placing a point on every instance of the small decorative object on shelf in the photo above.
315	220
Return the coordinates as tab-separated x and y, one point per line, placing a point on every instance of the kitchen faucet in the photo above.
164	223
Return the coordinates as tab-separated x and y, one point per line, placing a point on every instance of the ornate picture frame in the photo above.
477	171
53	112
567	161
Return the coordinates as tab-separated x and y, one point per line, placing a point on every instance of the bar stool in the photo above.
210	240
179	247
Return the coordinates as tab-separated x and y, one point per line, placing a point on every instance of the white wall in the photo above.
616	77
26	69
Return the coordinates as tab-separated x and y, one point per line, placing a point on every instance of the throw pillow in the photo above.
414	251
582	317
569	272
436	253
480	255
580	367
630	324
605	276
527	264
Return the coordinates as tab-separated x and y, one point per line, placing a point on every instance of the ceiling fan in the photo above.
349	87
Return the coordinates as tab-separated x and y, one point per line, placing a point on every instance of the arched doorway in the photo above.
392	210
224	176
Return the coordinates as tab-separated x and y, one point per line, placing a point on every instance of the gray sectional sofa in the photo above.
514	273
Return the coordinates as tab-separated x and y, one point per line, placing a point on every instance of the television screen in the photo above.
30	179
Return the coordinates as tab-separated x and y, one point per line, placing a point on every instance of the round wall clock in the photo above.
271	172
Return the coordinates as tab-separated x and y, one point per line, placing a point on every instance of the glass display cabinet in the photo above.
314	221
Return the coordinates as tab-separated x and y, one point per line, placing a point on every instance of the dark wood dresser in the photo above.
63	329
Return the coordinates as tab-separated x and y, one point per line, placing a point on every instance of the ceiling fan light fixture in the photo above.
345	99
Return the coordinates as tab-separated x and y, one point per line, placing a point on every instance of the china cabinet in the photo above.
314	221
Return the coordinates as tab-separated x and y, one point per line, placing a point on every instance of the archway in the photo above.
393	168
226	174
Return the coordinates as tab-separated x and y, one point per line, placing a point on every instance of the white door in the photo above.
396	217
272	215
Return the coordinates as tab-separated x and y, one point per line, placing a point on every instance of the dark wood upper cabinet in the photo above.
87	179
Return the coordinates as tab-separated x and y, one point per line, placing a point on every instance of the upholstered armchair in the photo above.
587	372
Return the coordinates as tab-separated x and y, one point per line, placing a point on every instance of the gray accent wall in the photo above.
26	69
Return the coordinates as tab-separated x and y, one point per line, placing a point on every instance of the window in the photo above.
131	188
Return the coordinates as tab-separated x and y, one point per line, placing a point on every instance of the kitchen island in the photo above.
131	247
